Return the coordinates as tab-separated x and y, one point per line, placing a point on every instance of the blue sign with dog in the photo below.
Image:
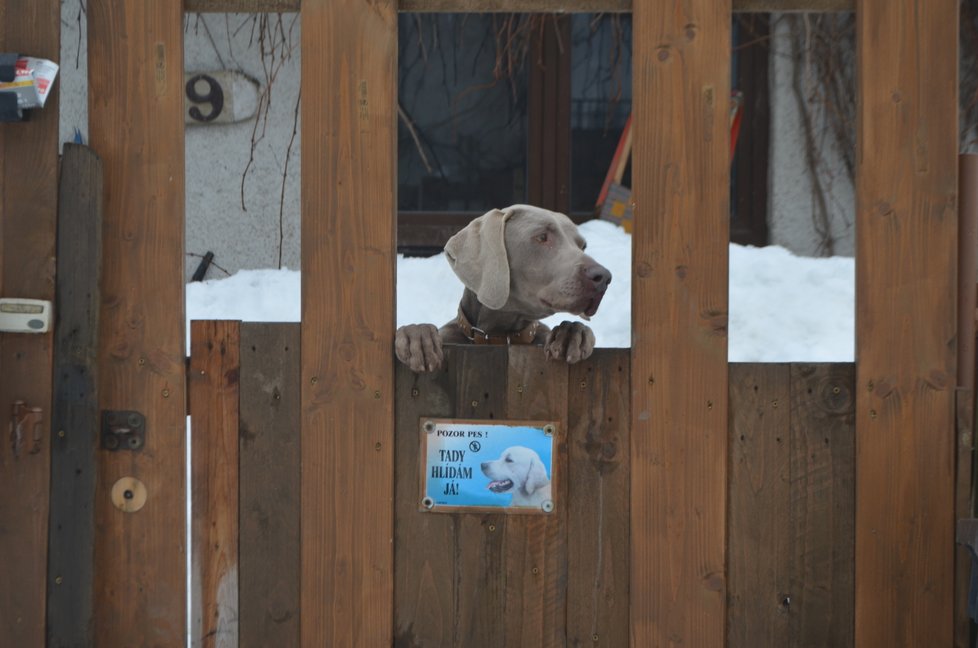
481	465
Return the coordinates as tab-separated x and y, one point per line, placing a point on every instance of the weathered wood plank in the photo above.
28	213
424	543
965	392
480	378
268	462
136	115
349	58
74	417
597	500
822	515
905	323
680	246
213	383
759	544
536	6
535	546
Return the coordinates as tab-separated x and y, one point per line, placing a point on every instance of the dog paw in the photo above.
419	347
570	341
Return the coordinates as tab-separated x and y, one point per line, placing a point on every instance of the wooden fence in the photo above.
685	476
497	580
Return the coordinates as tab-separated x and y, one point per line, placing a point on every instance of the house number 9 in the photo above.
203	89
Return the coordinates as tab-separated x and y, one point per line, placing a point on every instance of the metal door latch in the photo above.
123	430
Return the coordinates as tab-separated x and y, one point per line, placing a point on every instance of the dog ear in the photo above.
536	477
477	254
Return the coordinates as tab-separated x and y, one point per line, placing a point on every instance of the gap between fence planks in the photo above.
213	385
28	211
74	418
534	6
138	130
906	202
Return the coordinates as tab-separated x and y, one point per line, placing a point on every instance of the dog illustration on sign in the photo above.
519	470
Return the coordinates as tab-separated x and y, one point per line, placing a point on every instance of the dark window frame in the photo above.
549	143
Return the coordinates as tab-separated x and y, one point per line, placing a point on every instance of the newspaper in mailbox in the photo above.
32	81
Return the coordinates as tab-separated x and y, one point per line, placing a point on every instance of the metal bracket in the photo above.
26	429
123	430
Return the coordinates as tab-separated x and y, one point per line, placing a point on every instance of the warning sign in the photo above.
482	466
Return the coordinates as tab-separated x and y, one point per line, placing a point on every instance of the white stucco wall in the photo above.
217	154
792	204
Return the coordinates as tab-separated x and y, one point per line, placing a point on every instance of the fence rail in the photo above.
492	579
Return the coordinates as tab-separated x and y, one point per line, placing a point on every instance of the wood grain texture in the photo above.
680	175
480	376
535	549
424	543
965	393
28	212
598	500
906	195
136	126
349	58
215	368
759	596
822	505
536	6
74	417
268	561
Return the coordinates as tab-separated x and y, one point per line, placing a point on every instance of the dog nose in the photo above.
484	465
599	275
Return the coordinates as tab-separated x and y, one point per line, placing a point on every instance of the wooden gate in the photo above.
497	580
367	576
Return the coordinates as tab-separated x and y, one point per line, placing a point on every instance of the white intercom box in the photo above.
25	315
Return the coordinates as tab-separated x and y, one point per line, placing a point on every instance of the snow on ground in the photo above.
783	308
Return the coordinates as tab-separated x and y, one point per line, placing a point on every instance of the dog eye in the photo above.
508	460
542	238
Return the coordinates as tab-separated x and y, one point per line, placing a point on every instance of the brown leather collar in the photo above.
478	336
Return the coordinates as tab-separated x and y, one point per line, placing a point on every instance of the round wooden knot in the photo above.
128	494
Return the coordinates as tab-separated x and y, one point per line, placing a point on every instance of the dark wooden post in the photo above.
74	419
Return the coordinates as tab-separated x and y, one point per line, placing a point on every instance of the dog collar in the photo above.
478	336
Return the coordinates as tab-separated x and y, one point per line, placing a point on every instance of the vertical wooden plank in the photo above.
213	389
535	549
759	541
424	543
679	321
28	211
906	193
598	500
349	56
136	125
480	375
268	560
965	391
822	505
74	417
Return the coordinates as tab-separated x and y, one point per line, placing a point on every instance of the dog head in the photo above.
529	260
518	468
